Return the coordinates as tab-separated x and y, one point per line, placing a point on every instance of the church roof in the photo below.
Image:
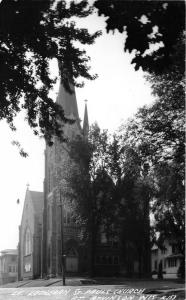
37	200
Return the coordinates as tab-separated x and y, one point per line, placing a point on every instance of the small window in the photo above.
163	251
172	262
9	269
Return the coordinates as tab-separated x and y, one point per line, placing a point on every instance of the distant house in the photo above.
169	257
8	266
30	235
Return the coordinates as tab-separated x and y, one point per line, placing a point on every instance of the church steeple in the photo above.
67	99
85	121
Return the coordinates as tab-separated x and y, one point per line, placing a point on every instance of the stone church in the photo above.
29	247
49	236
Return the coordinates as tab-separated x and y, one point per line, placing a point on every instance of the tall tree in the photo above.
31	34
111	195
135	196
157	132
91	187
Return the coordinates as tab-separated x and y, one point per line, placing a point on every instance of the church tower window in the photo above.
27	242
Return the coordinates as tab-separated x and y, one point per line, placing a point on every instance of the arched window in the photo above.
27	242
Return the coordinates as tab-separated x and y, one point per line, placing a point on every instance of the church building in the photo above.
50	238
30	234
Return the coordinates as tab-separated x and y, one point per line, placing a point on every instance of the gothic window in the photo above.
68	217
27	242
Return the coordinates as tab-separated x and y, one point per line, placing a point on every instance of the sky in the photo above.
112	98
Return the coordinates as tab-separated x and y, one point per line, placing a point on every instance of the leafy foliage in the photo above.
32	33
168	206
157	135
148	24
111	197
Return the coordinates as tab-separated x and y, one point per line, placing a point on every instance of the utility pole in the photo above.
62	242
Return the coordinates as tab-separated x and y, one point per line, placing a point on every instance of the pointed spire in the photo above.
85	121
68	102
67	99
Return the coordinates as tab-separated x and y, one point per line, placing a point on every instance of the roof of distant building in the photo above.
9	252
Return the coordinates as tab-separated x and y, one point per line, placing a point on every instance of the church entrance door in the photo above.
71	264
71	260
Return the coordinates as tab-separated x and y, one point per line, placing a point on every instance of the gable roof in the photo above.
37	200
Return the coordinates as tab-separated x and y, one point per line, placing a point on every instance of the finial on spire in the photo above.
28	185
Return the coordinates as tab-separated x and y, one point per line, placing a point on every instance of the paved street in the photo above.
97	289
